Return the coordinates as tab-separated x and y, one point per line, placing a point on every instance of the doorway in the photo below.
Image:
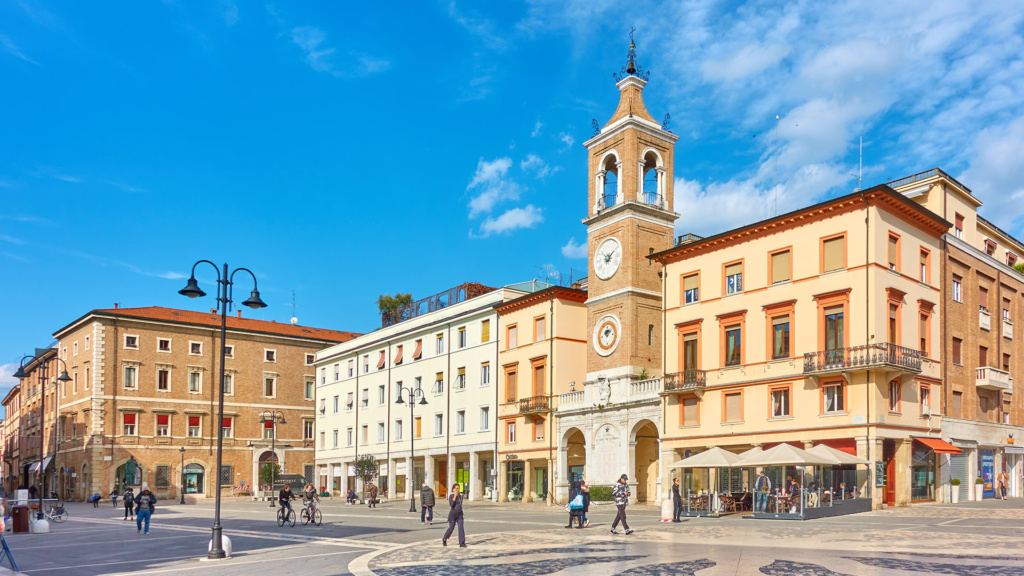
515	480
540	483
646	461
194	474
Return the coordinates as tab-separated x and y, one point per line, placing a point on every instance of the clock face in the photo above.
607	258
607	333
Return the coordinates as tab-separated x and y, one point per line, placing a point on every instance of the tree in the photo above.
367	468
1019	267
265	473
388	304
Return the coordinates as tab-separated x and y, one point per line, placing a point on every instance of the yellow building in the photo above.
815	327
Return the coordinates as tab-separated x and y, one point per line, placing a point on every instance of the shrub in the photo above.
979	480
955	481
601	494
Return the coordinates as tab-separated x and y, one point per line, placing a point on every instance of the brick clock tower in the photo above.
630	216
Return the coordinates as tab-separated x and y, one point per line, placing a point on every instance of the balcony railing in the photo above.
926	175
685	381
984	318
687	238
652	199
870	356
994	379
535	404
639	388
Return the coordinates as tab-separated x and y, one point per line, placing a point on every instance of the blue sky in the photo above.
344	150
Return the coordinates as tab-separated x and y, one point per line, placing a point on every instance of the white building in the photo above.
445	350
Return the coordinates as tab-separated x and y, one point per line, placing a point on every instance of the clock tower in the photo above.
630	216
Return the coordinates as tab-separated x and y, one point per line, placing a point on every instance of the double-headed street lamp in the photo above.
40	354
274	418
224	298
413	393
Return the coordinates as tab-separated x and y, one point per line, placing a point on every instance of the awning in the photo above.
1014	450
938	445
35	465
712	458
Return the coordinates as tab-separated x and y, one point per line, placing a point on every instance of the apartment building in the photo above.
12	439
444	349
543	350
144	387
31	423
820	326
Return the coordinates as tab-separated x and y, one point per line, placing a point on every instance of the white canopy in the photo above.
785	455
842	457
713	458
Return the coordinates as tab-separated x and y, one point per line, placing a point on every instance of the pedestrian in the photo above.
351	498
426	504
129	504
32	492
113	496
794	496
95	499
373	495
455	516
145	504
677	502
762	488
1002	483
586	501
576	504
621	494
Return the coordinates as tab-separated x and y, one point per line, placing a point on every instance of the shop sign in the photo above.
511	456
880	474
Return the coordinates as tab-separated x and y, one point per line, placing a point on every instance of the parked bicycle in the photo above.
57	513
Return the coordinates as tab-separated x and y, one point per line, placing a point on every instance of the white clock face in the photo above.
607	258
607	333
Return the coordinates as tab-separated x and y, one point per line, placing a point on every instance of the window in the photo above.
511	432
460	422
834	320
734	278
833	254
195	382
307	430
418	427
226	427
349	404
74	380
380	432
195	348
380	395
894	252
923	333
439	383
382	360
894	395
334	438
690	358
227	475
485	418
460	379
348	436
228	378
269	355
309	359
366	363
958	295
1011	258
538	379
690	289
780	402
485	331
924	266
418	353
689	411
86	342
310	387
194	423
323	439
983	297
926	399
733	407
538	429
439	344
780	337
990	247
780	264
398	354
894	333
733	345
462	337
129	377
957	349
438	424
982	356
366	434
485	374
1006	310
323	374
163	476
229	351
1006	362
323	406
366	398
650	334
163	380
351	368
510	337
832	398
956	409
958	227
131	342
129	424
510	386
538	329
269	430
163	344
269	386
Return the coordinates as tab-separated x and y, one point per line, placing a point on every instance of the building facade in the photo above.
12	439
141	406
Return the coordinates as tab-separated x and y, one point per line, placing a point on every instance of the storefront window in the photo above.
514	480
922	474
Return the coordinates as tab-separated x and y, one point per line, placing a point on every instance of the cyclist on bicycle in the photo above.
285	497
310	497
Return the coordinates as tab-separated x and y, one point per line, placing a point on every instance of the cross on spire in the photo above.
631	68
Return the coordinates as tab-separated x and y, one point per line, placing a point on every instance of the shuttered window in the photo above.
690	352
418	353
734	278
924	267
690	411
893	248
780	267
734	407
485	331
690	292
834	256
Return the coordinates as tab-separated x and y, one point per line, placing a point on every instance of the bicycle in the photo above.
57	513
310	513
285	515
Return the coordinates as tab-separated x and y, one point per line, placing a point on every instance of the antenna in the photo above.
294	319
775	145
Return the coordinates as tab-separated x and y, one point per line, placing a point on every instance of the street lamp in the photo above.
412	437
225	292
275	419
182	450
40	353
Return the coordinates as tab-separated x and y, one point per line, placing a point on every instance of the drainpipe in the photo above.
495	482
448	409
867	306
213	367
113	397
388	425
551	393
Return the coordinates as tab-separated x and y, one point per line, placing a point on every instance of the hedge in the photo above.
601	494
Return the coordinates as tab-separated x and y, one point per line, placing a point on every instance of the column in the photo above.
330	479
410	477
562	466
551	482
392	479
662	198
503	481
640	182
599	191
343	484
476	491
452	478
428	472
630	471
618	183
902	468
527	480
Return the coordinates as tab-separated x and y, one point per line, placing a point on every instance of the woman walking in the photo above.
129	504
586	502
455	516
575	505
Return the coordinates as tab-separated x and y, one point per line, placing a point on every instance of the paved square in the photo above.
975	539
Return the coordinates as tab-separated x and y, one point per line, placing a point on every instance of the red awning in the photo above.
380	363
398	356
938	445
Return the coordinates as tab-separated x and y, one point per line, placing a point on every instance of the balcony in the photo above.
883	355
984	318
994	379
1007	329
535	404
685	381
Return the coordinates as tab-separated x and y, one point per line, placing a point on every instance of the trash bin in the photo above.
19	517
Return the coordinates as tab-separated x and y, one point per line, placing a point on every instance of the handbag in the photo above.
577	502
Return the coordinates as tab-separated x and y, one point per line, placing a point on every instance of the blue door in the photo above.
988	473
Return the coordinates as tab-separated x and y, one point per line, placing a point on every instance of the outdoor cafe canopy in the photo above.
712	458
842	457
785	455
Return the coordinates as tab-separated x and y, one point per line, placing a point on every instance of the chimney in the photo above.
239	313
213	310
115	305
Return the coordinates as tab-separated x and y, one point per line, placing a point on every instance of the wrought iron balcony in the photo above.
882	355
685	381
535	404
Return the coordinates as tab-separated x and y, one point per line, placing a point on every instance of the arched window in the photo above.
651	191
611	186
609	190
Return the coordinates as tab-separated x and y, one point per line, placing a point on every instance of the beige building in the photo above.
820	326
12	439
543	350
144	386
28	425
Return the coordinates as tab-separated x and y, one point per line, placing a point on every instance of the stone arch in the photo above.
261	454
651	181
644	442
115	478
608	181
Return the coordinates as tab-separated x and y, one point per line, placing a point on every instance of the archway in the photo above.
650	187
266	458
645	458
576	454
194	478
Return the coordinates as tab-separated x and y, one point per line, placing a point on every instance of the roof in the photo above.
573	294
1010	237
190	317
14	391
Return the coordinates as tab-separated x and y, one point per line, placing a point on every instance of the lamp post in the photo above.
20	373
413	393
182	450
275	418
225	292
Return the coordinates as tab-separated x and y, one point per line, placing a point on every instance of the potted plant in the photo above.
979	488
954	491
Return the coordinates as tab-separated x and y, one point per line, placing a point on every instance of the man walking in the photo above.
621	494
677	501
426	504
762	487
373	496
145	503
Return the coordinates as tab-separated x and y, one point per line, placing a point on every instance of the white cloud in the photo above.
536	129
6	371
996	174
574	250
492	185
513	219
748	60
230	12
12	240
566	139
322	58
65	178
537	165
9	46
478	26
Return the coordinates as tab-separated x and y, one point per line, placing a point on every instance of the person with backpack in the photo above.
145	504
621	494
426	504
762	488
129	504
95	499
586	501
576	505
113	496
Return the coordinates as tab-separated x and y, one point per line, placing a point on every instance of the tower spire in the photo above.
631	68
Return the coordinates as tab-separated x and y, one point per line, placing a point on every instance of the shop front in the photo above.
514	480
925	458
987	472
